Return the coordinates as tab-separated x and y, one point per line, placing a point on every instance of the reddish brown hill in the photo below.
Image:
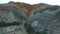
27	9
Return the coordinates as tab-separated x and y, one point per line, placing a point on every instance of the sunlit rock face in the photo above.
41	18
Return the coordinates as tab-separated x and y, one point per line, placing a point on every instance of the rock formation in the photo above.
40	17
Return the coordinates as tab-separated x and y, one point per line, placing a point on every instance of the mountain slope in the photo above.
37	19
42	18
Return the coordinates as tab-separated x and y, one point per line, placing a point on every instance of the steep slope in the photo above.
41	18
8	13
54	26
37	19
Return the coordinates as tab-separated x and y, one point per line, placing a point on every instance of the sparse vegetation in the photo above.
28	28
4	24
43	32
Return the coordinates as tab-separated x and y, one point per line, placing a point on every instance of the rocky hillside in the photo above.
38	19
46	20
26	9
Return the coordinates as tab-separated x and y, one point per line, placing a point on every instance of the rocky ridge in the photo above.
39	18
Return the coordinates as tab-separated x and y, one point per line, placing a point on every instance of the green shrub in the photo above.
4	24
43	32
28	28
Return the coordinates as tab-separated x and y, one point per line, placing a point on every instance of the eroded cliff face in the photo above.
39	18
